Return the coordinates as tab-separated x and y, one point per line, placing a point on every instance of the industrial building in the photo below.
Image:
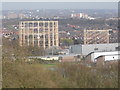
96	36
107	56
41	33
88	48
103	59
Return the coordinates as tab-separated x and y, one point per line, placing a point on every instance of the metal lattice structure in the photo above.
96	36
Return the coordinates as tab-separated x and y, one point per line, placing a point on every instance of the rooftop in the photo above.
41	19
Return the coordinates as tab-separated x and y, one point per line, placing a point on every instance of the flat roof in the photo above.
96	44
47	19
53	56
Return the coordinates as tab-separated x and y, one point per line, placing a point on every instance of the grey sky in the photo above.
59	5
60	0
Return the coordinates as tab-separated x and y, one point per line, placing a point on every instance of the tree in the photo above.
67	42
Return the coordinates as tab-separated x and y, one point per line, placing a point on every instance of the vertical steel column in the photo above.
24	32
57	34
28	28
48	34
44	34
33	32
53	33
20	33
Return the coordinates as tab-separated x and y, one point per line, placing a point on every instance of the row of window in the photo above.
41	45
39	24
36	30
41	42
39	36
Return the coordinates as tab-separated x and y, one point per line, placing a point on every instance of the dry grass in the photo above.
91	77
18	74
67	75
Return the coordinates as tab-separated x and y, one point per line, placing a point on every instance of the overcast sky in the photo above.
60	0
58	5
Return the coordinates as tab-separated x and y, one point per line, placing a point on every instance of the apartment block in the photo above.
41	33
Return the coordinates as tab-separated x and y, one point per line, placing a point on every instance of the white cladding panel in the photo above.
108	55
113	57
86	49
97	54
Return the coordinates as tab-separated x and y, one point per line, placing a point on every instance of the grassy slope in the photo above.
18	74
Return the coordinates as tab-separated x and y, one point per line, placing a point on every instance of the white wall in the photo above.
108	55
113	57
86	49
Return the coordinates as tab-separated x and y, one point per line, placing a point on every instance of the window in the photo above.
35	36
117	48
30	24
46	24
35	24
46	36
41	42
35	30
26	37
40	30
50	24
35	42
50	29
40	24
30	36
46	42
41	36
26	24
95	48
46	30
54	42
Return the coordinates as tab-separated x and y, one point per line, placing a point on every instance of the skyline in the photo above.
58	5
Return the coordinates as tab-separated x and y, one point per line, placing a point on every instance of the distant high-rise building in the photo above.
21	16
81	15
96	36
41	33
12	15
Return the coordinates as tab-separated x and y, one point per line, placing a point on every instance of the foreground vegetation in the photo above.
20	74
67	75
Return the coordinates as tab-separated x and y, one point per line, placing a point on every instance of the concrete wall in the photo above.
68	59
76	49
86	49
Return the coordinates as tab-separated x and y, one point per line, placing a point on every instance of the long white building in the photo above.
108	56
88	48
